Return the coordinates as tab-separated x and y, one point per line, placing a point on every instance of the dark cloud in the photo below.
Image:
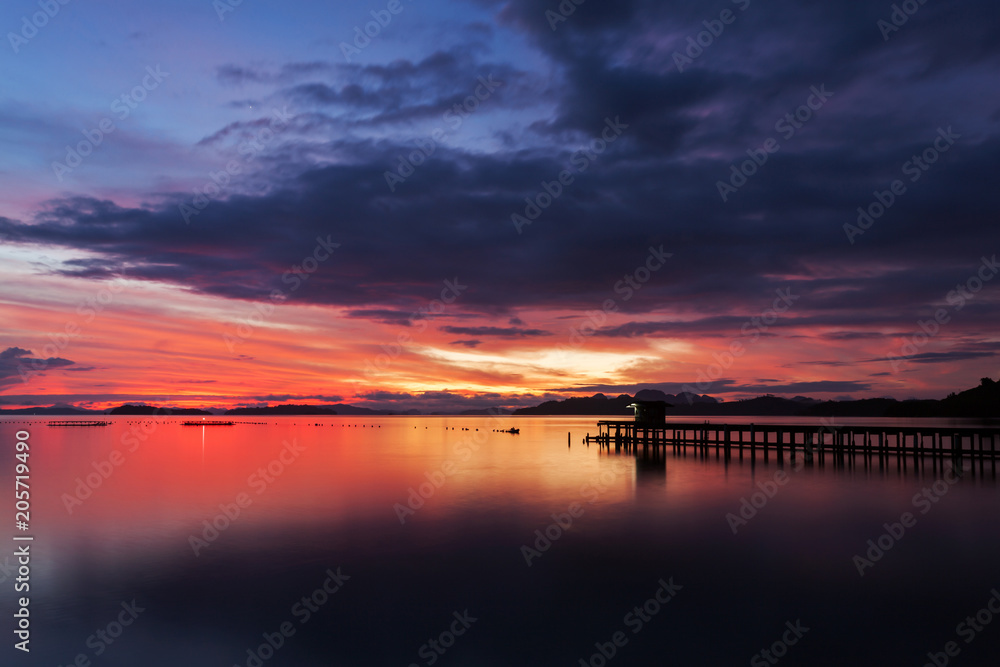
656	184
818	387
20	365
500	332
284	398
725	386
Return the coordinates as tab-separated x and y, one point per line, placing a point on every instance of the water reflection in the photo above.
330	501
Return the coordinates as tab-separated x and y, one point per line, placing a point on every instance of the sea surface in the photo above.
326	541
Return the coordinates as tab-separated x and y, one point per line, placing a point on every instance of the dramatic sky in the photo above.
215	204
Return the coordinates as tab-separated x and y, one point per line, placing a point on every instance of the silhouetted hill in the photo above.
486	411
129	409
55	410
762	405
683	398
979	402
344	409
598	404
283	410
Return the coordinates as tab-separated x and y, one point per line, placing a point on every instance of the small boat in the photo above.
515	431
207	423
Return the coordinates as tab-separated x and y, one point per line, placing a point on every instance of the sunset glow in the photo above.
479	209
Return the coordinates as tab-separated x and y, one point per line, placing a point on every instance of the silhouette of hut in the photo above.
653	413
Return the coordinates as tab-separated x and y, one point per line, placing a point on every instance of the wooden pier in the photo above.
843	444
78	423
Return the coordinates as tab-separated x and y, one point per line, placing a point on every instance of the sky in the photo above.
442	205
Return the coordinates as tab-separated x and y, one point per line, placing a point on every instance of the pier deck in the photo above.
843	442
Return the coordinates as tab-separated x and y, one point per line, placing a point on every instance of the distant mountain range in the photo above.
982	401
129	409
599	404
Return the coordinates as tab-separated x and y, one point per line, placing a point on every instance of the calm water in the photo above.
325	503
